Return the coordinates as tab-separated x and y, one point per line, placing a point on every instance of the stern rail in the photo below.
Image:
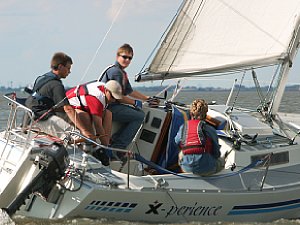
17	133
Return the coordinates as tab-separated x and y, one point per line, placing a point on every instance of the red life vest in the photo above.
194	141
76	95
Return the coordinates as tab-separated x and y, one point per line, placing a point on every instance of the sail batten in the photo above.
215	35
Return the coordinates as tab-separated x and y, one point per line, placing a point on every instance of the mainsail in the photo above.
210	36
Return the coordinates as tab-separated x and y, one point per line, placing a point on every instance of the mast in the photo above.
286	66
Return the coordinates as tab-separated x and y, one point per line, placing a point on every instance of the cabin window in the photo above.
147	136
277	158
156	122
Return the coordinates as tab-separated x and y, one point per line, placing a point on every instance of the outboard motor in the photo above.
52	163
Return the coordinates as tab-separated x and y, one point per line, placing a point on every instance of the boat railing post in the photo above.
130	150
266	171
11	132
10	117
128	168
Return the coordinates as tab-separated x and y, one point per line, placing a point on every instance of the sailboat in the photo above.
45	177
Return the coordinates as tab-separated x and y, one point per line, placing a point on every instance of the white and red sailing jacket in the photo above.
89	97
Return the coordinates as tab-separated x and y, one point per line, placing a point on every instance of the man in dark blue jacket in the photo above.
128	110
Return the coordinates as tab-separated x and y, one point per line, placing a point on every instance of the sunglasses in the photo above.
126	57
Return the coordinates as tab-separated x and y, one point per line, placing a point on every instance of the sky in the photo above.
32	31
90	31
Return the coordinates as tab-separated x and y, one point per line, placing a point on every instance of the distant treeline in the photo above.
186	89
203	89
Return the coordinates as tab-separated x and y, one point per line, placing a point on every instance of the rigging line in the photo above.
271	83
261	96
252	23
104	38
273	78
216	176
279	79
287	172
159	41
185	36
172	199
165	89
274	170
238	92
177	89
279	68
174	38
88	67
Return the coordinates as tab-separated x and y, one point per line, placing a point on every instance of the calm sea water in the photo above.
290	104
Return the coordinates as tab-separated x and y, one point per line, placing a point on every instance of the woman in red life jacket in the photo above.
198	143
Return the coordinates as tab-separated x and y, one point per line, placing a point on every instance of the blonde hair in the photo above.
199	109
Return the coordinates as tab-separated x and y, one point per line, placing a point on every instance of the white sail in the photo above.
211	36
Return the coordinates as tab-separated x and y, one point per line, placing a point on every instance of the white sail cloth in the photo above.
210	36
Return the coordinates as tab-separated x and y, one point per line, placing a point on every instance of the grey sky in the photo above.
31	31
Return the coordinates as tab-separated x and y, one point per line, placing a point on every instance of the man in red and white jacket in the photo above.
90	101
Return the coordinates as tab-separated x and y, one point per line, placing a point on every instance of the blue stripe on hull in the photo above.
265	208
105	206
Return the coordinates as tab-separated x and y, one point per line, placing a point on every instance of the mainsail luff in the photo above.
220	36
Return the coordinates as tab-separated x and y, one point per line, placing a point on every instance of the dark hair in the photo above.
60	58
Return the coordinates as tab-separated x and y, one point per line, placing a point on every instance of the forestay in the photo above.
223	35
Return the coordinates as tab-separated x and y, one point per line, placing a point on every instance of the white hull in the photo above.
257	194
260	181
173	205
234	198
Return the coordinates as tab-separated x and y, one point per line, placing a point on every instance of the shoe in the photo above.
122	156
119	156
101	155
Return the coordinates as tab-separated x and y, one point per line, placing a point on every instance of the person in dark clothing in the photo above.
49	99
128	110
198	143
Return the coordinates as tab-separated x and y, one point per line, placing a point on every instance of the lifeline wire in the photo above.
104	38
88	67
162	36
